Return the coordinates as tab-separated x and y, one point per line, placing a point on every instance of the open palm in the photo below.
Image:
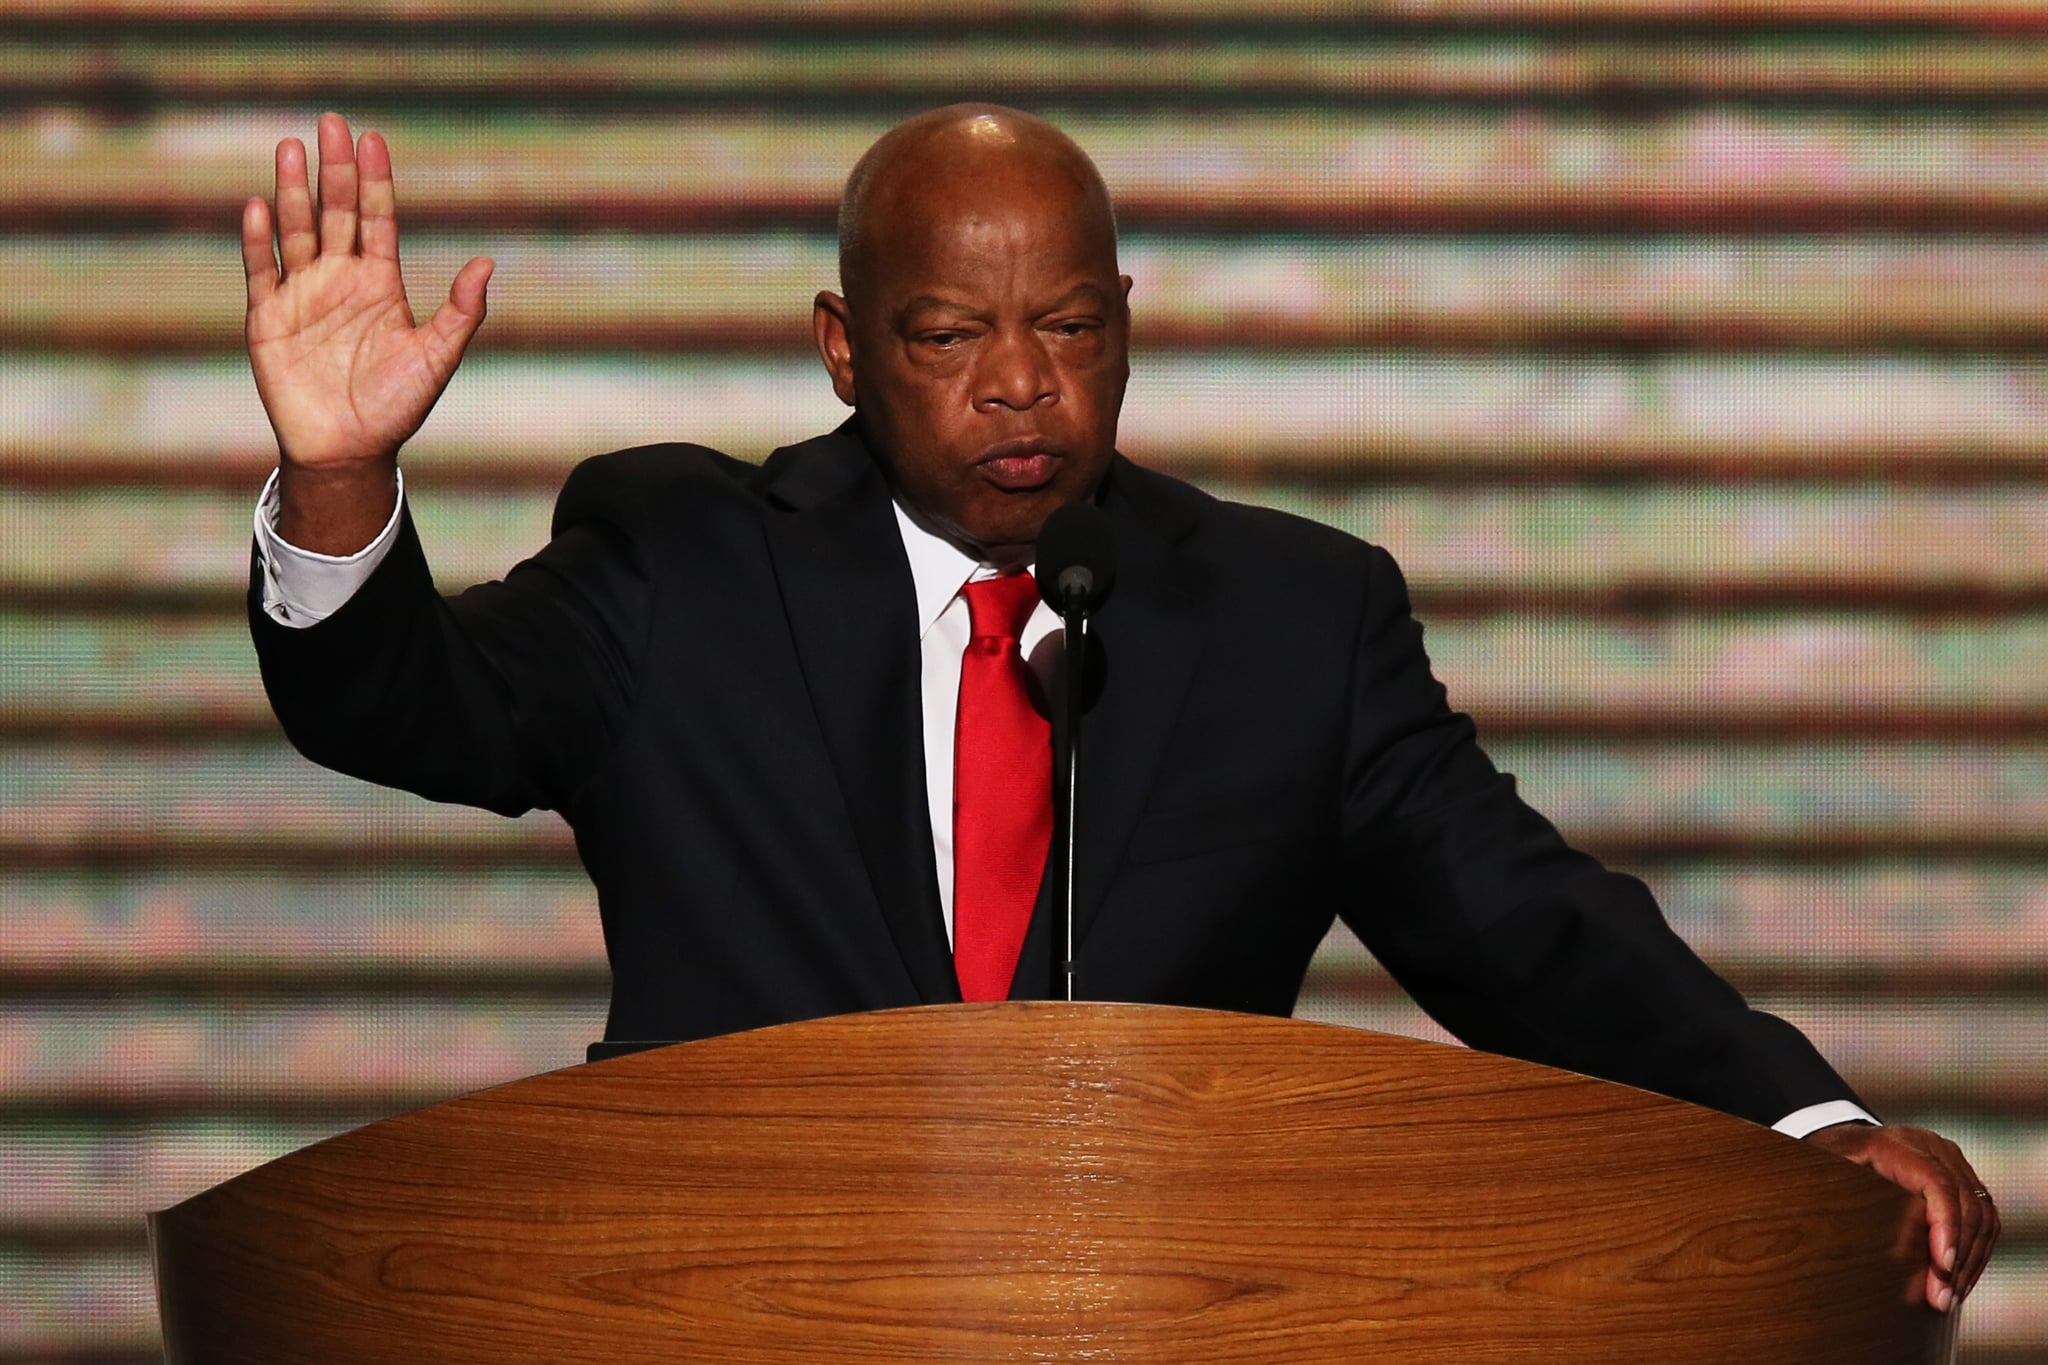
344	373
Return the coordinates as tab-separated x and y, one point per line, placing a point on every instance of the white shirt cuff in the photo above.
1815	1117
302	588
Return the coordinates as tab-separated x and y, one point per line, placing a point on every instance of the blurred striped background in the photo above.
1692	355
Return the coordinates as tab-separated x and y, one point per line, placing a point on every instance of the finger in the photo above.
258	262
1940	1294
1979	1254
377	198
1944	1222
1975	1214
296	244
337	187
1982	1236
1957	1223
457	319
1977	1221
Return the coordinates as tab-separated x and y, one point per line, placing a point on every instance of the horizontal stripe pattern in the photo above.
1261	65
78	924
1996	15
1343	412
1690	549
351	1052
1946	919
81	799
112	671
683	294
1688	169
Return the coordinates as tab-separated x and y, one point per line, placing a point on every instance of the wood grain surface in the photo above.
1050	1182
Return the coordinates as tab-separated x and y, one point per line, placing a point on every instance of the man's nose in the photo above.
1015	372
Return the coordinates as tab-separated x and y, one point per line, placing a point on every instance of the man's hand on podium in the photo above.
345	374
1962	1220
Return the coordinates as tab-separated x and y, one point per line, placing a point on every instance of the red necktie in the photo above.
1002	790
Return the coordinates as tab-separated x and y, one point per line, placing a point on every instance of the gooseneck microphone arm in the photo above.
1076	564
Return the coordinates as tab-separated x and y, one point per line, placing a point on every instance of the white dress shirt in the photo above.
301	588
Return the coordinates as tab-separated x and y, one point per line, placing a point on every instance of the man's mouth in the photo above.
1021	464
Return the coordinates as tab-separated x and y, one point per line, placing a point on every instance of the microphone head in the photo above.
1076	557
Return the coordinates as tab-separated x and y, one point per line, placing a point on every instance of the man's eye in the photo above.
941	339
1073	327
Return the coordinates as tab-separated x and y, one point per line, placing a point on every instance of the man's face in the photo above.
986	351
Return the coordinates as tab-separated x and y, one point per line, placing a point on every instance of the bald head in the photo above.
946	159
983	335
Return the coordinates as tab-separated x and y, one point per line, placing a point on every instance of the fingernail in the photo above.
1944	1298
1948	1258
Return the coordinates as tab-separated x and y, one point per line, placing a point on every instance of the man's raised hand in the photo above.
344	373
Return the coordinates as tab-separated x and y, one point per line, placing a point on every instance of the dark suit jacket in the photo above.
712	672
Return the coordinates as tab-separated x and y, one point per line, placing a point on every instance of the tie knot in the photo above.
997	608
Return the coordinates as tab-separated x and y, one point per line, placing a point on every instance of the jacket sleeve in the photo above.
506	696
1511	939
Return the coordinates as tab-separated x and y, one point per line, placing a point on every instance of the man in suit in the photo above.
787	709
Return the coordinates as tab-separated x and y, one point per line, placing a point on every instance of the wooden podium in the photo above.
1051	1182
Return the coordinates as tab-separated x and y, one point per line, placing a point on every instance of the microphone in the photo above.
1076	558
1076	568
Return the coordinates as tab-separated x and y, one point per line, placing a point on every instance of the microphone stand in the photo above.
1066	734
1076	565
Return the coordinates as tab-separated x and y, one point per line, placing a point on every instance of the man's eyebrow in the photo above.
930	302
1080	293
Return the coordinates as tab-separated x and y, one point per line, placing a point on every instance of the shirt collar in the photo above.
938	568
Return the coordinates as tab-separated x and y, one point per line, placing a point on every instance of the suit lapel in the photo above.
847	591
1150	635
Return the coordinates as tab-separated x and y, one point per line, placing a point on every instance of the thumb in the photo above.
458	317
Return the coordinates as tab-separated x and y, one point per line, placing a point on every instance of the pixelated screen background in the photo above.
1689	355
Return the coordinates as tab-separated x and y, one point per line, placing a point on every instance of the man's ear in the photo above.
832	325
